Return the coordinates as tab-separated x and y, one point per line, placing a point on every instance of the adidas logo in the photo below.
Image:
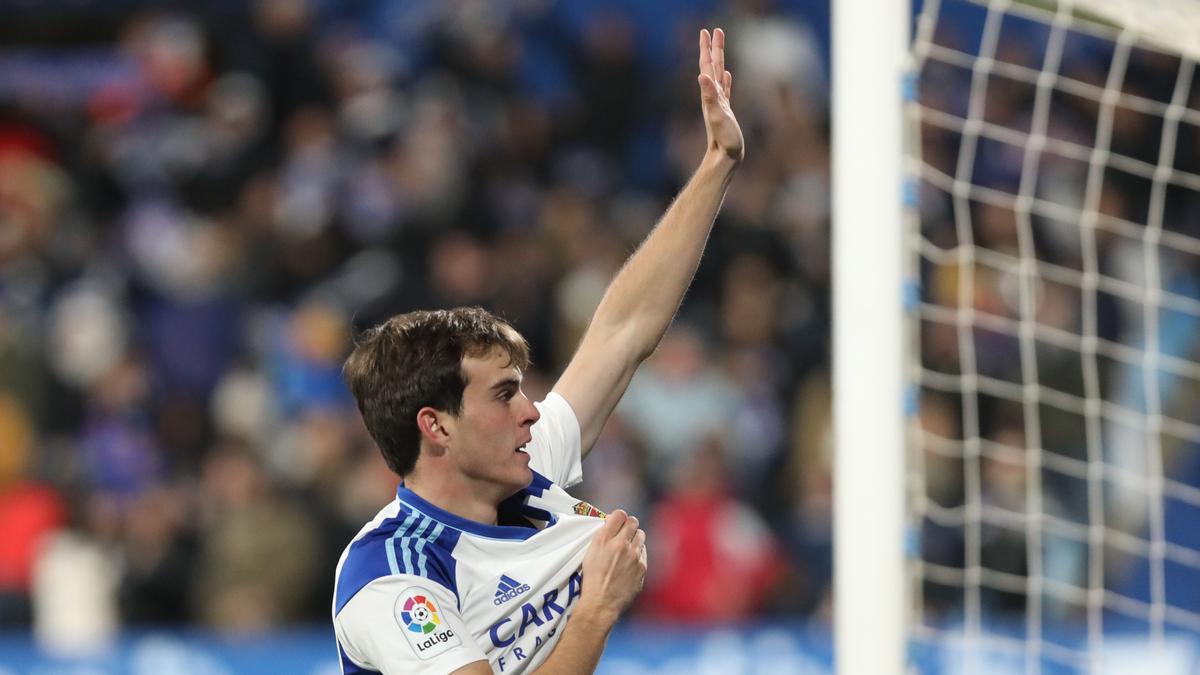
508	588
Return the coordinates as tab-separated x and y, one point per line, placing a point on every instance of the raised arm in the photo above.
642	299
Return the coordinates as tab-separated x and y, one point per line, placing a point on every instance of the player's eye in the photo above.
506	395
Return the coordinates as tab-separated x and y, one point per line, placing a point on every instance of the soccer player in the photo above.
480	560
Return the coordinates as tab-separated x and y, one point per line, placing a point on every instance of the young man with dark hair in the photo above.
482	557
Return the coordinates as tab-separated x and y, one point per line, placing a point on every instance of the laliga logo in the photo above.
426	632
420	614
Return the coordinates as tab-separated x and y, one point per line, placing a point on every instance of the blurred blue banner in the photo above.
634	649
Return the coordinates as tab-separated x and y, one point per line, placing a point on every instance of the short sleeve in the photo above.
405	624
555	449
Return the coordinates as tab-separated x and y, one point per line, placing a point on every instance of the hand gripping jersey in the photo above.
421	590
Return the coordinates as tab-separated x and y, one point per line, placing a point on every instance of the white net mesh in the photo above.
1056	463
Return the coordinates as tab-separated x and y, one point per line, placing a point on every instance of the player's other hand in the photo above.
614	567
716	83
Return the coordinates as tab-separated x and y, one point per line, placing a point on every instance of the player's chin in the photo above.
523	473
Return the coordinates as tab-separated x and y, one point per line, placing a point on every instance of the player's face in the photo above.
493	427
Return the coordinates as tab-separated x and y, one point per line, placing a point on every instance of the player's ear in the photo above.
432	424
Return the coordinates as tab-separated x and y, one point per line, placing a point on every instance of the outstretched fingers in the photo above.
712	64
718	54
716	87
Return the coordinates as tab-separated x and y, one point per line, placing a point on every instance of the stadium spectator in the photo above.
258	553
714	557
76	577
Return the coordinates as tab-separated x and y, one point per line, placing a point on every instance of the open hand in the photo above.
724	134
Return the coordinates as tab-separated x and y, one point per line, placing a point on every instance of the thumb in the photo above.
612	524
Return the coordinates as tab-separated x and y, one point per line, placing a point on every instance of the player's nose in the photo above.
530	413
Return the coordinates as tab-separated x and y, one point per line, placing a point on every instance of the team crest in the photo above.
586	509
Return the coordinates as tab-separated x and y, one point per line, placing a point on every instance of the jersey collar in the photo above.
414	501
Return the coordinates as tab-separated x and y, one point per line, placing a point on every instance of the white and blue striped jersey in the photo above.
421	590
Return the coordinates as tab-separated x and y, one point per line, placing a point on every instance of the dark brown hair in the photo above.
414	360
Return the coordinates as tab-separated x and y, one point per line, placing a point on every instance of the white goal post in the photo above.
870	44
1105	311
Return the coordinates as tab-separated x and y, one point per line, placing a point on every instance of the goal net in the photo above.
1054	468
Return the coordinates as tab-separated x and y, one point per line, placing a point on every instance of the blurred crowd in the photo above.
1100	257
199	209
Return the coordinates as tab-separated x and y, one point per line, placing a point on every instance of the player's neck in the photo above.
456	494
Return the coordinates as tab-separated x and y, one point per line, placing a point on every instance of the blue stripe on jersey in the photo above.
419	546
374	555
413	541
410	564
391	544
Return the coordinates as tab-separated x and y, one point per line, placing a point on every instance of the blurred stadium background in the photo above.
200	202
